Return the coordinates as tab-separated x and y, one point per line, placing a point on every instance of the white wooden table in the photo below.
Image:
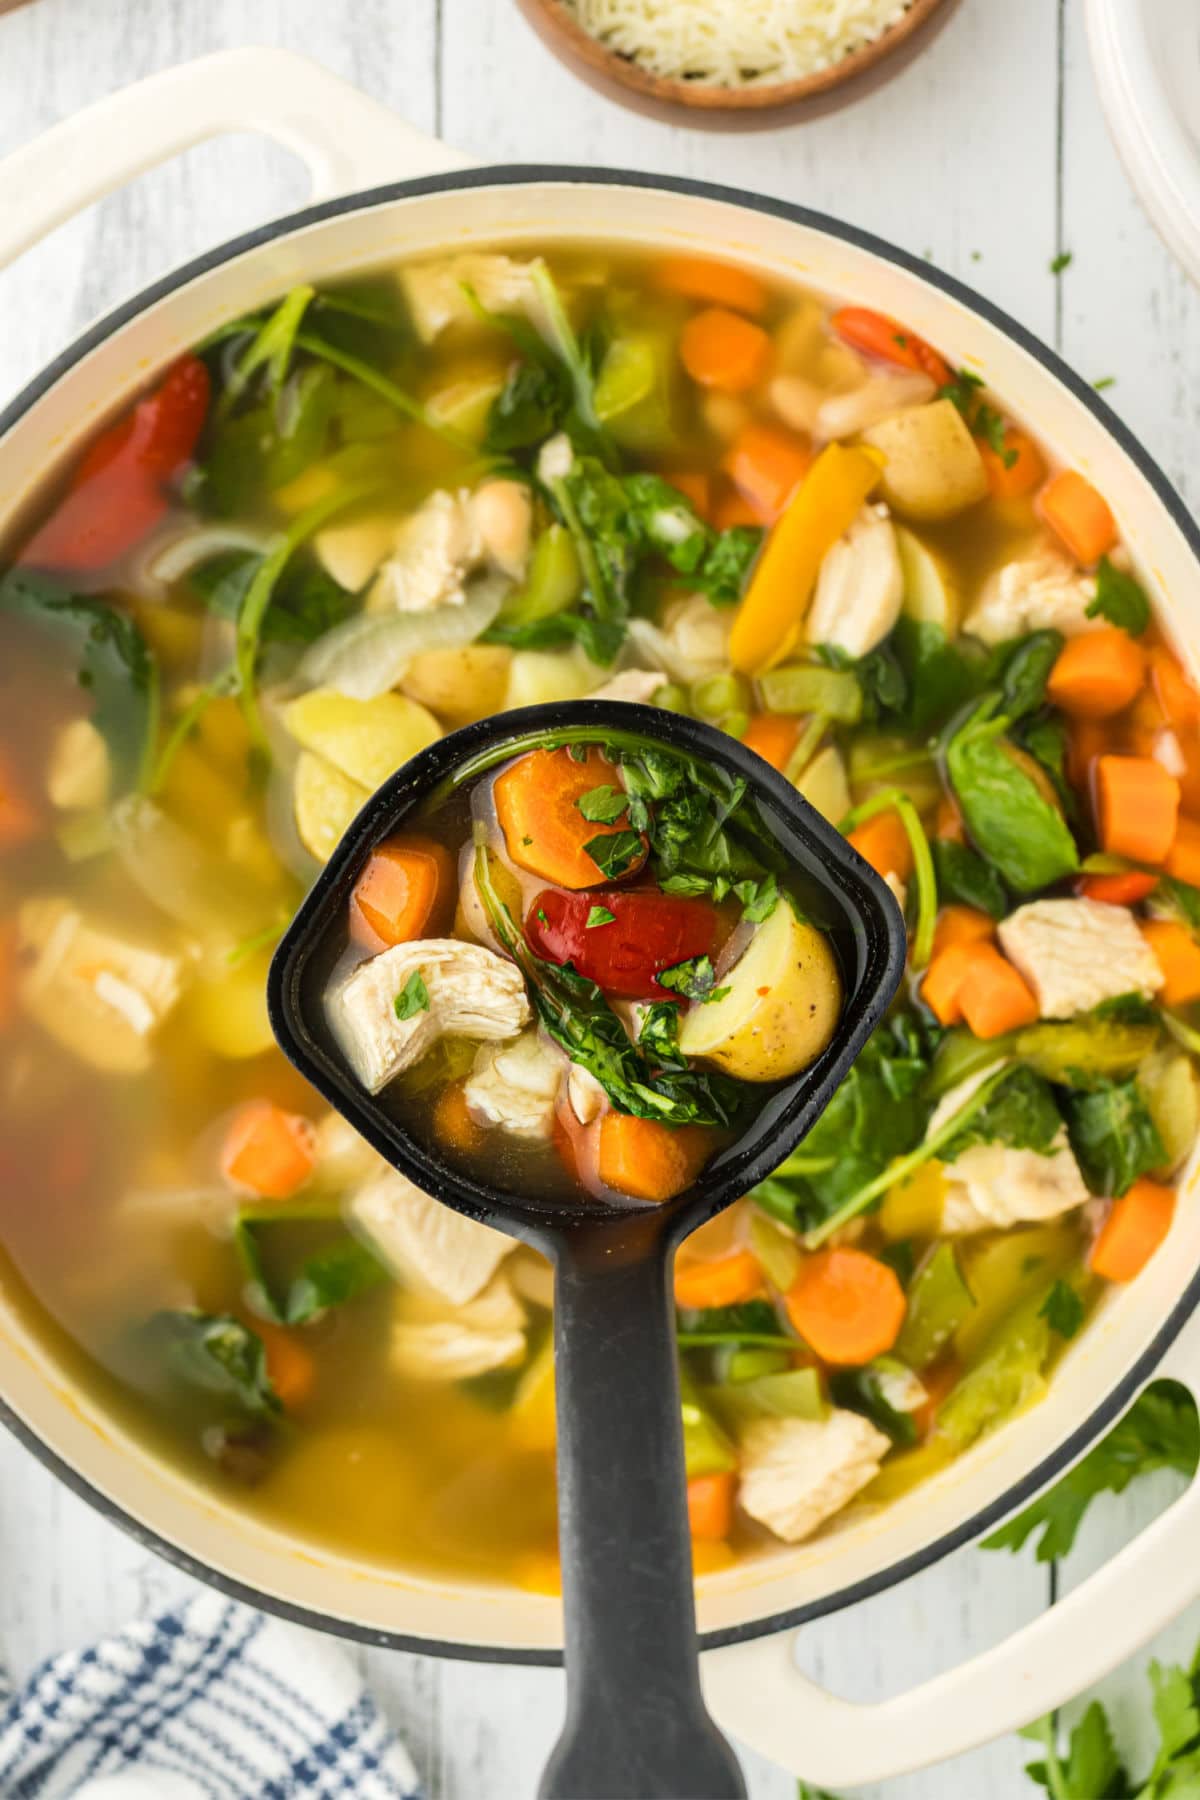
989	155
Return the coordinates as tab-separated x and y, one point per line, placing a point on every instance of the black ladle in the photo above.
636	1726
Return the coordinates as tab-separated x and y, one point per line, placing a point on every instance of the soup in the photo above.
361	518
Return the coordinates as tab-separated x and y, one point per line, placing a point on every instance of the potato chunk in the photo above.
933	468
783	1000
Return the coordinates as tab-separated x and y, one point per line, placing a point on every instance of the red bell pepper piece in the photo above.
118	492
649	931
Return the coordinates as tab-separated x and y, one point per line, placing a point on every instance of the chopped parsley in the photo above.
1064	1309
599	915
1120	599
1062	261
413	997
1104	381
603	805
695	979
616	855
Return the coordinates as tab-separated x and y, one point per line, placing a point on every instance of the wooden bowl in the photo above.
709	103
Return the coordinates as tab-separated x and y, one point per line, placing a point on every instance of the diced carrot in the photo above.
732	508
725	1281
268	1151
876	335
993	996
720	349
290	1364
695	486
1078	515
8	972
19	819
938	1383
1124	888
1136	1225
766	465
710	1505
649	1161
1014	470
1137	807
943	982
1175	694
454	1126
1178	956
1086	740
961	925
1183	858
537	804
774	736
884	843
1096	675
406	891
948	822
847	1306
720	284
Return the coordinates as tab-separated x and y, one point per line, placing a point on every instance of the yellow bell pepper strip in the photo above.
823	508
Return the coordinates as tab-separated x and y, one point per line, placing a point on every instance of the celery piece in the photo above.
717	695
1007	1376
777	1251
939	1300
633	395
1077	1052
791	1394
1004	1273
812	688
960	1055
706	1449
82	835
749	1365
553	583
1169	1088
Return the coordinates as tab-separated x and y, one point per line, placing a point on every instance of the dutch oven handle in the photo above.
345	140
758	1695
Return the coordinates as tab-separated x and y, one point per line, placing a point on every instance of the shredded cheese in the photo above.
736	43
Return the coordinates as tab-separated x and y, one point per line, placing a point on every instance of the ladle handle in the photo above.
637	1727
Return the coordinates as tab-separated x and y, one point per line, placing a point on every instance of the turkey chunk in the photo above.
1076	953
992	1186
860	586
435	549
692	642
636	685
516	1085
436	291
1039	592
434	1341
100	995
473	993
796	1473
426	1245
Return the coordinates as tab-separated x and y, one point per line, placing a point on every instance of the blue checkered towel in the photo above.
212	1702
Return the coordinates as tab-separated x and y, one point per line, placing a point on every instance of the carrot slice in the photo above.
19	819
649	1161
454	1126
1183	859
1137	806
1135	1227
774	736
1175	694
537	803
696	487
710	1505
1097	675
1086	740
943	982
1178	956
720	284
720	349
993	996
884	843
731	508
948	823
406	891
1125	888
1078	515
1016	468
725	1281
766	465
268	1151
875	334
847	1306
961	925
290	1365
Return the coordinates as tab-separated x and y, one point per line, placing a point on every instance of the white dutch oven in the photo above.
432	203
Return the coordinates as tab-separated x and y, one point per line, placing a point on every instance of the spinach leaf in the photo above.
217	1354
880	677
1006	811
305	603
1179	900
1119	599
1064	1308
703	837
695	980
1113	1135
530	408
366	318
862	1391
965	877
941	675
616	854
1020	1112
1024	671
725	569
659	1036
1045	739
115	665
338	1272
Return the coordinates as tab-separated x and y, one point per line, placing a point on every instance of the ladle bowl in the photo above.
636	1724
